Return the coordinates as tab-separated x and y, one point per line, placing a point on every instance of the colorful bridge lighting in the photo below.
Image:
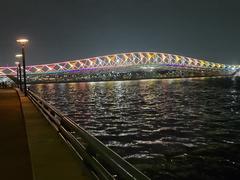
123	60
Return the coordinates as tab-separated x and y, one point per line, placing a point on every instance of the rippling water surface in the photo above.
169	129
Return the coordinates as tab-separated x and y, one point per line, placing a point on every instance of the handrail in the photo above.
102	160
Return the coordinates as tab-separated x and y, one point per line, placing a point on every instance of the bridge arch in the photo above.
140	59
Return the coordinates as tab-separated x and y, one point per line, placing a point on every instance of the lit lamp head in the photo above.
17	63
22	41
18	56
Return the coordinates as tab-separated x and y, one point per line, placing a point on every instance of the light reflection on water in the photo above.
170	129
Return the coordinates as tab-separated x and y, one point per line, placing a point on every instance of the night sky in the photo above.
60	30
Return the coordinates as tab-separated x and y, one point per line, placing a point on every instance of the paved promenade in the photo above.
14	152
30	147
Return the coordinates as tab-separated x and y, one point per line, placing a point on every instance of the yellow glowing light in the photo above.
22	41
113	58
190	61
202	63
178	58
18	55
125	57
150	56
91	63
109	59
71	64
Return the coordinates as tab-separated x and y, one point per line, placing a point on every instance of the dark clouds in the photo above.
60	30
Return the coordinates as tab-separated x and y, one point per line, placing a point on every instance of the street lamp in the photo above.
19	57
22	42
17	65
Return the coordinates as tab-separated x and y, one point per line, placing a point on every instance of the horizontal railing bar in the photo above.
45	113
105	151
101	171
111	161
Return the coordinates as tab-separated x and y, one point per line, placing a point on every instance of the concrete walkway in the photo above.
14	153
50	157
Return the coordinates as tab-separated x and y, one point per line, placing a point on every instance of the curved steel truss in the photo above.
123	60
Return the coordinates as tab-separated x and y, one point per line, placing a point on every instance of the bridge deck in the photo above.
30	147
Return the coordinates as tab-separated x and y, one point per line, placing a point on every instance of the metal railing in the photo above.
105	163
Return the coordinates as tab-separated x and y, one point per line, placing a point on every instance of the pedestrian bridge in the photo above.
134	61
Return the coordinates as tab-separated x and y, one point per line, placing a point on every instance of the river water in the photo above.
169	129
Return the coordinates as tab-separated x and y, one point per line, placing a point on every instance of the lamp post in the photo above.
19	70
22	42
17	63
